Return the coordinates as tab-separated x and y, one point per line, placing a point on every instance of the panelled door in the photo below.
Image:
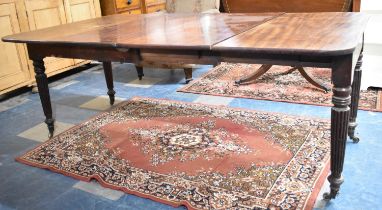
13	59
77	10
43	14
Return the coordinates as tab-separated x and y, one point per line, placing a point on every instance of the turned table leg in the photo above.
188	74
356	86
43	91
108	70
139	71
340	113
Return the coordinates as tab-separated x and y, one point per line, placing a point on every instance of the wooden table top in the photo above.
157	30
314	33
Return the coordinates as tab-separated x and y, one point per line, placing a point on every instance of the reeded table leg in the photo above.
43	91
341	77
355	99
107	68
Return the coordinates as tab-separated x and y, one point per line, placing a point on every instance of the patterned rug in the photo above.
275	85
200	156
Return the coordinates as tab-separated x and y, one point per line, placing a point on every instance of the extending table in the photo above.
331	40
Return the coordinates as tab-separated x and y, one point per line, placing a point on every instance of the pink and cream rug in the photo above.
275	85
200	156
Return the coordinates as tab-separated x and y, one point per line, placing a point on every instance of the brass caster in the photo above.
355	139
237	83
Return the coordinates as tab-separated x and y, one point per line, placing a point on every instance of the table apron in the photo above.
172	56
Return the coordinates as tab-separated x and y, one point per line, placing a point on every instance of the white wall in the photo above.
372	65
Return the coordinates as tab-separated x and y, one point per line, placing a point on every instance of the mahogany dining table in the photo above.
328	40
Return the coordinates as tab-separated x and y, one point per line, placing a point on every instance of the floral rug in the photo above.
200	156
275	85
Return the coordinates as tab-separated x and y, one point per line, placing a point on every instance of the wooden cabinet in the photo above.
43	14
133	11
127	4
13	58
77	10
110	7
26	15
154	6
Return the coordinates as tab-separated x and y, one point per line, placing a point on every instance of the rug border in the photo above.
309	203
320	181
105	184
234	108
99	179
183	90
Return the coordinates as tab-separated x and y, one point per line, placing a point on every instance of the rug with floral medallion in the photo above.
199	156
275	85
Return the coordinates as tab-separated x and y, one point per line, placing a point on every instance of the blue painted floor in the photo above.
25	187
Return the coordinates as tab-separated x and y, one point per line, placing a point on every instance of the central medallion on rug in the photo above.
203	157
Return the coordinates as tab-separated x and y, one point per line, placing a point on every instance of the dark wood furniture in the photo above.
237	6
335	41
356	6
248	6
